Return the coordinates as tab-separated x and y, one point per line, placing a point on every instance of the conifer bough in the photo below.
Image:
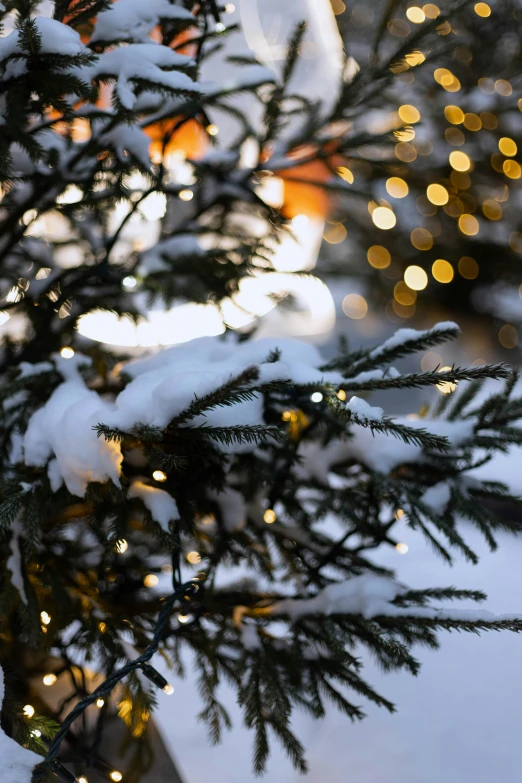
129	488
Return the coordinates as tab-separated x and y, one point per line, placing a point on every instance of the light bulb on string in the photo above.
116	776
158	679
63	773
49	679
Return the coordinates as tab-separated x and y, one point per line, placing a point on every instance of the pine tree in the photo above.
129	486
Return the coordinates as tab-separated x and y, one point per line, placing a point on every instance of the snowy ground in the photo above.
458	722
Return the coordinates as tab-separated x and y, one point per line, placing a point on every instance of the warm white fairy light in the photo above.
183	618
100	703
49	679
269	516
28	710
129	282
401	548
168	689
186	194
116	776
45	618
121	546
159	475
316	397
151	580
67	352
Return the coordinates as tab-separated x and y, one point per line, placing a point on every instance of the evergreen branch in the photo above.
429	378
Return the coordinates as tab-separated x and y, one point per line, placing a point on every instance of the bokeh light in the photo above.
355	306
415	277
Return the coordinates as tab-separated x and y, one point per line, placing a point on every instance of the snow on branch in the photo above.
133	20
145	64
374	596
17	762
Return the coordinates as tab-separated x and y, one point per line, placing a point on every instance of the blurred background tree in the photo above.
442	232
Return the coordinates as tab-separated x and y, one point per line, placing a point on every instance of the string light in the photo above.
421	239
63	773
269	516
437	194
459	161
151	580
341	395
446	387
401	548
49	679
397	187
482	9
183	618
503	87
45	618
507	146
355	306
67	352
335	233
378	257
403	294
158	679
468	268
384	218
212	129
345	174
129	282
194	558
186	194
442	271
512	169
28	710
416	15
121	546
415	277
82	779
159	475
472	122
469	225
116	776
100	703
431	10
316	397
508	336
230	8
454	114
